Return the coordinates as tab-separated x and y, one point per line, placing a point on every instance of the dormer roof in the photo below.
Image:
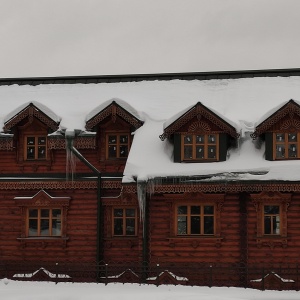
199	110
32	109
288	109
112	108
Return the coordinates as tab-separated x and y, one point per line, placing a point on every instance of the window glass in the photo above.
118	145
125	220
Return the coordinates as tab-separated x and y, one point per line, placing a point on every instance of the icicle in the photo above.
141	194
70	157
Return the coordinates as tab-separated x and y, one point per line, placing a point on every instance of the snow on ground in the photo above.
14	290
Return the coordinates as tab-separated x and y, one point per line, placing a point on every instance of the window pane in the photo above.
212	139
267	223
112	139
33	213
118	212
292	150
33	227
45	213
280	151
112	151
182	225
123	151
182	210
200	152
211	152
56	227
130	212
280	137
118	226
195	225
209	210
30	152
41	152
292	137
188	152
41	140
208	225
30	140
130	226
271	209
200	139
188	139
195	210
123	139
44	227
56	213
276	224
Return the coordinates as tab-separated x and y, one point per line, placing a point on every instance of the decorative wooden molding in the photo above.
30	111
291	109
113	110
199	111
6	143
79	143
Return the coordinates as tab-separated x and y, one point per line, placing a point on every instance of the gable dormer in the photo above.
114	121
280	129
30	125
199	135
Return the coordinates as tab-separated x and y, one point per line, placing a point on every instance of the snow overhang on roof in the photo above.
178	120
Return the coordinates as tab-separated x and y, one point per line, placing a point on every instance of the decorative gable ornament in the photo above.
112	109
31	110
201	112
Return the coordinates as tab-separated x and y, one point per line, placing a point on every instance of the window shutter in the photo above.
223	146
177	147
269	146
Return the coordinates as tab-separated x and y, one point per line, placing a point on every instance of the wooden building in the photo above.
95	195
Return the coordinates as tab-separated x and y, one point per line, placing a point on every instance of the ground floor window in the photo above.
124	221
271	219
195	219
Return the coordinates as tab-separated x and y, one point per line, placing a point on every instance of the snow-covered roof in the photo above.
242	102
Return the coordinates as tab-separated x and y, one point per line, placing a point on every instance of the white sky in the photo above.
94	37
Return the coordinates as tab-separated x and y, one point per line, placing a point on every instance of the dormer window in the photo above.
36	147
117	145
200	147
286	145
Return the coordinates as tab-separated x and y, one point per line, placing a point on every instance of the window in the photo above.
44	222
124	221
271	219
200	147
117	145
35	148
195	220
286	145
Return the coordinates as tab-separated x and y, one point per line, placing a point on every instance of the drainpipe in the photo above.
70	139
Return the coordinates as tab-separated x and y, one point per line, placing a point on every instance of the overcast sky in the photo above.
98	37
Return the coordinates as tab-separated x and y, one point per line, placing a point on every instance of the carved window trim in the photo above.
277	199
286	144
118	134
196	199
39	201
204	145
124	218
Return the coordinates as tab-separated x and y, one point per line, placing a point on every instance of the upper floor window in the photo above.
195	220
286	145
271	219
117	145
124	221
44	222
200	147
36	147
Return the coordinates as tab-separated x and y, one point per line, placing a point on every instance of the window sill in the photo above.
43	242
272	241
195	241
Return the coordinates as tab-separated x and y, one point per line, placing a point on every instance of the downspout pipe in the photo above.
70	139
